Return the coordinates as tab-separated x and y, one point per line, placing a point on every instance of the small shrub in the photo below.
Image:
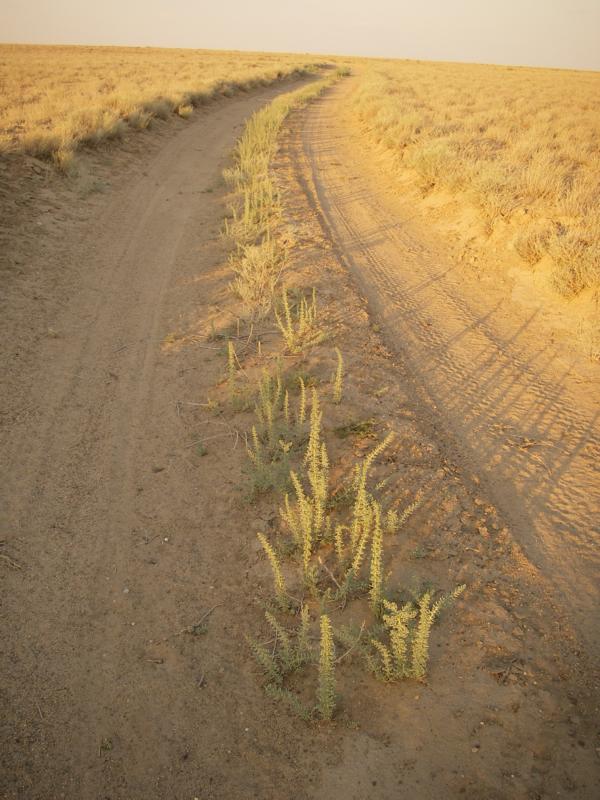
576	258
531	243
257	268
299	327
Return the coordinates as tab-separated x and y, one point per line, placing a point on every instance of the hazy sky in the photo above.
556	33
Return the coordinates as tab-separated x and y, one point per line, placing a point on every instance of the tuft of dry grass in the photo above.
54	99
522	145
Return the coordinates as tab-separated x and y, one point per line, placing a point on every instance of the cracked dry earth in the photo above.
120	535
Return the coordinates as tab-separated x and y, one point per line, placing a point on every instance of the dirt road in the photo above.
112	545
521	415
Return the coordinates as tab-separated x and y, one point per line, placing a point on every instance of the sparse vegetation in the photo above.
255	212
339	550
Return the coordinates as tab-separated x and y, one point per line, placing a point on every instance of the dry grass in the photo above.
260	254
54	99
522	145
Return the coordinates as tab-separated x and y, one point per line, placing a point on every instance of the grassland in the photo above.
54	99
522	146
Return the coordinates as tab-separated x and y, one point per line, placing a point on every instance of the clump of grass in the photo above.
278	433
299	326
531	243
65	161
257	268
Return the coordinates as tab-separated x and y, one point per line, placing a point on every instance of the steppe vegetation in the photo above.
55	99
328	552
259	255
521	145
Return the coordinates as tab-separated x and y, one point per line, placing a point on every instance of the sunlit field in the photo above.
53	99
522	145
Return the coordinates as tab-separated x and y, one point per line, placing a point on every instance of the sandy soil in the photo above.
127	520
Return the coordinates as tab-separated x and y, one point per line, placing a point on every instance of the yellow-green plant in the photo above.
306	517
317	462
326	691
362	512
338	378
286	651
394	521
269	403
284	695
278	580
303	645
376	571
407	654
302	403
299	328
286	407
340	544
427	616
255	455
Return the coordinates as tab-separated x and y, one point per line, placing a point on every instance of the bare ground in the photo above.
120	535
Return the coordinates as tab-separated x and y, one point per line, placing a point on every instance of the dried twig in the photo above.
10	561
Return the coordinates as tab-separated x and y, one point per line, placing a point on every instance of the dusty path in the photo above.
112	543
524	418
